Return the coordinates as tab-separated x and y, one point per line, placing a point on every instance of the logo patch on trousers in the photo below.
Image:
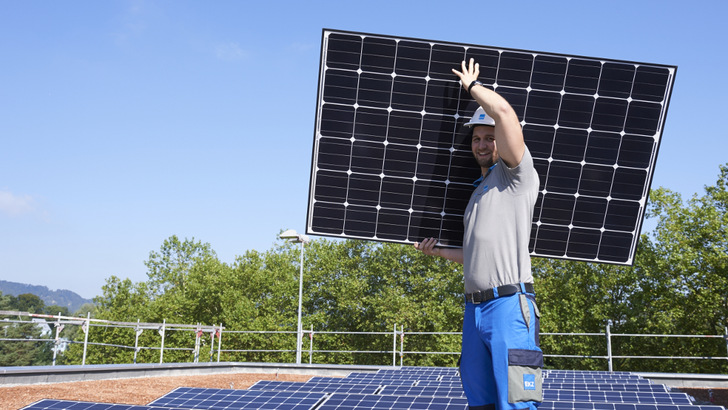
529	382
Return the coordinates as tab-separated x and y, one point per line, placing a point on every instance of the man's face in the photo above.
483	146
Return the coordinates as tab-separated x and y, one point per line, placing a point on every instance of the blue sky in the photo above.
125	122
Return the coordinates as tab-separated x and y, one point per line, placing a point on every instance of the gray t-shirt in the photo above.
498	227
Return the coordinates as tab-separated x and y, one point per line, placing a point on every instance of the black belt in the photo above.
505	290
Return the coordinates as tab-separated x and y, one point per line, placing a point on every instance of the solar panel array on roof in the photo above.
392	163
345	394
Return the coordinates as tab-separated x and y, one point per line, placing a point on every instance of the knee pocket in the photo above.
524	375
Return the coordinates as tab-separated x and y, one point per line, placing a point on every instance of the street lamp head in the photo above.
294	236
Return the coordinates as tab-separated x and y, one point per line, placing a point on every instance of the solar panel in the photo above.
564	405
392	163
377	381
434	391
334	387
405	376
364	402
615	397
202	398
603	386
420	370
52	404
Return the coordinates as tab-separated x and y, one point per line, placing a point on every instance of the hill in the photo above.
73	301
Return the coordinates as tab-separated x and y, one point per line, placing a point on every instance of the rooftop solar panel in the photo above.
378	381
364	402
616	397
434	391
405	376
604	386
326	387
392	163
596	379
564	405
52	404
202	398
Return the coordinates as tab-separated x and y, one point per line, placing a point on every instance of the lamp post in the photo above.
294	236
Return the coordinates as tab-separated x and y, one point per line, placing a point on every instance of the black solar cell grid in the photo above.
392	163
202	398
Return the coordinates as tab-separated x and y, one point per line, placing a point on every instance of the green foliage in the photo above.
28	345
677	285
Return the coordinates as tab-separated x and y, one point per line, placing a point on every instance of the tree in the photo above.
678	285
26	346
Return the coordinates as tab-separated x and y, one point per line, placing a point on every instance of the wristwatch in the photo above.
476	82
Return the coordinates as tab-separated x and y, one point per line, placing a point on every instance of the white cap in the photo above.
480	118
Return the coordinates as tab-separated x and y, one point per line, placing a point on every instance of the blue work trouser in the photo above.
501	360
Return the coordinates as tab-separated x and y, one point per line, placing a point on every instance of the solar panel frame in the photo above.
364	184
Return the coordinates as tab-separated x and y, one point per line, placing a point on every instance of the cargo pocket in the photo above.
524	375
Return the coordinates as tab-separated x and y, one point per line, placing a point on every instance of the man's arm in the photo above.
508	132
427	246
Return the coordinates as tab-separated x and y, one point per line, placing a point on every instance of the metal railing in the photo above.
217	331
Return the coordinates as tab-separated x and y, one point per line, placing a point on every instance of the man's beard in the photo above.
487	162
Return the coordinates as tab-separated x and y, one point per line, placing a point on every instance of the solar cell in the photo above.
392	163
202	398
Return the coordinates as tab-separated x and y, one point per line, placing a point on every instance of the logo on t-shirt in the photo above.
529	382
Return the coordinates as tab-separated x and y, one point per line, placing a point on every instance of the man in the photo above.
501	359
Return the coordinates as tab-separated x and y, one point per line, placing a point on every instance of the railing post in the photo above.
219	343
138	332
161	332
212	342
394	346
726	339
310	346
196	354
86	329
609	344
401	345
57	343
